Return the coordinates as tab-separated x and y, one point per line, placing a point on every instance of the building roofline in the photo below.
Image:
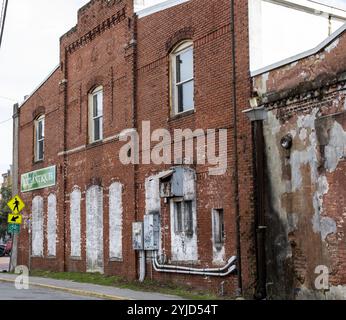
302	55
313	7
40	85
159	7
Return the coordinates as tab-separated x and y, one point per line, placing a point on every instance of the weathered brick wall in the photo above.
305	190
44	101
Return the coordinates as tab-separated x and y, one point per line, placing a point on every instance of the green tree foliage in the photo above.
6	195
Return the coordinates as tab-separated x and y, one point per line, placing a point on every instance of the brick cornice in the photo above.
97	31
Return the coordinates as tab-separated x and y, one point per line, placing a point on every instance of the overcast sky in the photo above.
30	51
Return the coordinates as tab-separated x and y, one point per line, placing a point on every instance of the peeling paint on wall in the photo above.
219	254
152	194
115	221
75	222
299	185
51	228
94	229
335	150
184	247
153	202
37	226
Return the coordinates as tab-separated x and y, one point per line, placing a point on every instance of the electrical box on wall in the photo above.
152	231
137	236
173	185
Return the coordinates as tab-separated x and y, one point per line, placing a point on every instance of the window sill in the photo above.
116	260
37	162
94	144
181	115
76	258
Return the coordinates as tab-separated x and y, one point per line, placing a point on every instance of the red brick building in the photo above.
118	69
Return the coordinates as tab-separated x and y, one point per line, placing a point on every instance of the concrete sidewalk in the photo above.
90	290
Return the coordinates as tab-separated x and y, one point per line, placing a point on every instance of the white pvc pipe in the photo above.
142	266
210	274
229	263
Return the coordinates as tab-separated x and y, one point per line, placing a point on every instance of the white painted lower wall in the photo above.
183	247
75	223
51	225
94	229
37	227
115	221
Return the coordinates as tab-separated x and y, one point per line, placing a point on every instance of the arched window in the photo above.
182	78
96	115
39	138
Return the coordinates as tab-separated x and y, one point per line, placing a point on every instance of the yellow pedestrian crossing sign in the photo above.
15	219
16	204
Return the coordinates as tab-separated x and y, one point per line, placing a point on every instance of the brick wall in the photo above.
305	199
135	78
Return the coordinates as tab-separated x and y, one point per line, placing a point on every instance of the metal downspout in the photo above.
235	142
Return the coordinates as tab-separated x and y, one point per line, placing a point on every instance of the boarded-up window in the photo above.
115	221
94	229
218	228
37	227
75	223
183	217
51	228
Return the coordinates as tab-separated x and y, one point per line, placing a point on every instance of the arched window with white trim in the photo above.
182	78
39	138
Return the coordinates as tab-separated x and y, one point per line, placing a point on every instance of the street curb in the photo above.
73	291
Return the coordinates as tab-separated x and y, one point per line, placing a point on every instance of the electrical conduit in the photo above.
216	272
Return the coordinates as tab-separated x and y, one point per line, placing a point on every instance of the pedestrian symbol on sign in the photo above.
16	204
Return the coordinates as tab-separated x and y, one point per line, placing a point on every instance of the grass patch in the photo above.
119	282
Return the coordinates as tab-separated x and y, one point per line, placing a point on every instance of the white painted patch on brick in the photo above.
306	125
218	253
183	247
51	228
153	202
115	221
336	148
37	227
75	223
94	229
152	195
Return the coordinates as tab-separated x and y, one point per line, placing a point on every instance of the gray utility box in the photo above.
152	231
173	185
137	236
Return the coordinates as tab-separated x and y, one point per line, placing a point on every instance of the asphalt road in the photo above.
9	292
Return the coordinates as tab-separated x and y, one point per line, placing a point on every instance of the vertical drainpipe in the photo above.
133	44
235	143
64	173
15	179
257	116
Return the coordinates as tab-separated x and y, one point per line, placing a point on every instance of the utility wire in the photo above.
7	98
2	122
3	19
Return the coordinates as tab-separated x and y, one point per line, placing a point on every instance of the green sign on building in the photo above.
38	179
